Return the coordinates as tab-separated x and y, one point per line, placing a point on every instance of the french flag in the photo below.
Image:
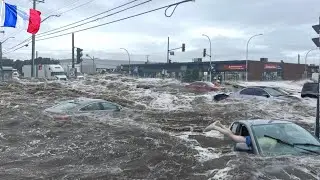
16	17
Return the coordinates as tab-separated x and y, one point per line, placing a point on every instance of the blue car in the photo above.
275	137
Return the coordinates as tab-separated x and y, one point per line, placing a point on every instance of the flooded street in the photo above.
158	134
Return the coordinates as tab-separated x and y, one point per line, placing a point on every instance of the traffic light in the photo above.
316	40
40	67
79	55
183	47
204	52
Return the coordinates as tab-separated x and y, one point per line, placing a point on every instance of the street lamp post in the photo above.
247	52
305	62
1	60
92	58
210	54
129	59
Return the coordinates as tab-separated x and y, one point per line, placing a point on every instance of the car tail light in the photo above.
62	117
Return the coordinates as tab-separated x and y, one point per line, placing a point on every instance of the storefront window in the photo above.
235	76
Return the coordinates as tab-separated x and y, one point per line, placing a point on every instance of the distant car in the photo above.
66	109
291	139
257	91
310	89
202	86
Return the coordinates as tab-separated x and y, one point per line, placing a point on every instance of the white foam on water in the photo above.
204	154
222	174
214	134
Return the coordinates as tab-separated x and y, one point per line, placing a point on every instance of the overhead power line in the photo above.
29	39
65	7
104	12
76	7
118	20
111	22
96	19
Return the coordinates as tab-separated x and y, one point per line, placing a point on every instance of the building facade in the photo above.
234	70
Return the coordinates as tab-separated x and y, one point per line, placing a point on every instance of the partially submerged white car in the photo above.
288	138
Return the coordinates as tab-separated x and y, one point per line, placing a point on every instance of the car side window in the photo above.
92	107
109	106
244	131
248	91
234	128
260	92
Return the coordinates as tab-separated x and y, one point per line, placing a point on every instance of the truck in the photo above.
47	71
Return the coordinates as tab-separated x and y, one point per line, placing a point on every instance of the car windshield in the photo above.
274	92
292	135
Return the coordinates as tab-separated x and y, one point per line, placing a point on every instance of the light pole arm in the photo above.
209	42
249	42
58	15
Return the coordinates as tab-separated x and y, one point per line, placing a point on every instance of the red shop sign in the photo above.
270	66
235	67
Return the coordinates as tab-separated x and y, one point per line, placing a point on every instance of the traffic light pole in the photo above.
72	50
318	100
168	51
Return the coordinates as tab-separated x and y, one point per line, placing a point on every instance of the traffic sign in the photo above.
316	41
316	28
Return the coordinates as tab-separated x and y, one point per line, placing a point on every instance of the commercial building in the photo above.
89	66
233	70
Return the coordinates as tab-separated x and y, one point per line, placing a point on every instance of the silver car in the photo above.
66	109
261	92
290	138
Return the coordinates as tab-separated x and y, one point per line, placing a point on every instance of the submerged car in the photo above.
202	86
258	92
66	109
310	89
290	138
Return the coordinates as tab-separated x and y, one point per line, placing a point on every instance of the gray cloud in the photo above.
286	26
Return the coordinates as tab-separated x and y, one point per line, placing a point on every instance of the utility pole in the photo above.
147	58
1	59
34	41
37	65
72	50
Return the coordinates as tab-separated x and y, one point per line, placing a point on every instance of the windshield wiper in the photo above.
293	145
279	140
306	144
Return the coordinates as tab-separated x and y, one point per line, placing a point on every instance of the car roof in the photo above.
260	87
263	122
82	101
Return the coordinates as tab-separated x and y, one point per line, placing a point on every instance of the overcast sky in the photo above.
285	24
